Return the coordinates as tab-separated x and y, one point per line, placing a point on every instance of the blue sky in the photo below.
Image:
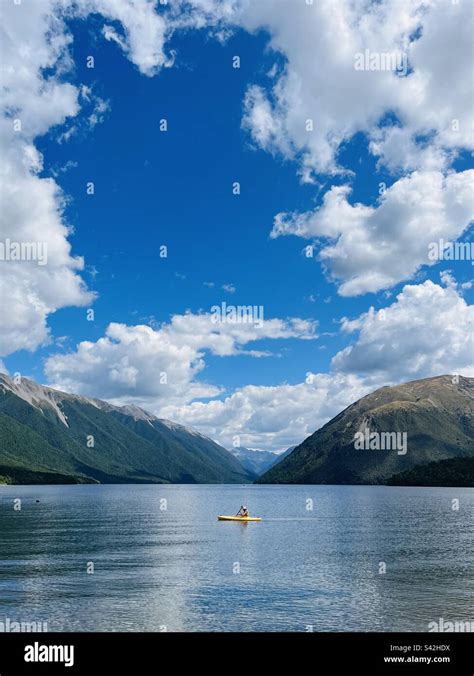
174	188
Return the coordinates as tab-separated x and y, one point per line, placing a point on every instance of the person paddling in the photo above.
243	511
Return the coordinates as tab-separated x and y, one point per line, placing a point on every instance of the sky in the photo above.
309	160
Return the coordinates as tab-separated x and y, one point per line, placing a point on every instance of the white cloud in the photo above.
427	331
266	128
272	418
317	83
35	40
111	35
427	106
448	279
32	207
128	363
320	101
32	212
320	83
92	109
144	30
320	41
399	152
370	248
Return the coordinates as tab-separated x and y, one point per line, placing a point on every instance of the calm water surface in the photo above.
179	568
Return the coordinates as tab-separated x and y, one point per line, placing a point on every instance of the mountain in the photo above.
47	436
257	462
456	472
436	414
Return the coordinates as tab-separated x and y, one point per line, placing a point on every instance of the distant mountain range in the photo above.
47	436
256	461
435	414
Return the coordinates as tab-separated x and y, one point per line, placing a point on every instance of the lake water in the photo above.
181	569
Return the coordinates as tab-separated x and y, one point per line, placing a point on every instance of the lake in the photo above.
162	560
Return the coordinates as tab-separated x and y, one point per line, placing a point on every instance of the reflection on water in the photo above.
162	560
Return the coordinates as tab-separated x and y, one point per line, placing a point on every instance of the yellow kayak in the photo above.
239	518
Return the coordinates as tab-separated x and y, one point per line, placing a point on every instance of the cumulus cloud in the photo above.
302	114
426	331
320	83
36	98
29	291
319	43
144	30
154	367
272	418
369	248
31	206
414	124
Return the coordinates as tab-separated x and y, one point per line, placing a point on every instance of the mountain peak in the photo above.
34	394
436	415
51	436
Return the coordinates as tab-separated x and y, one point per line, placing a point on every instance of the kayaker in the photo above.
243	511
